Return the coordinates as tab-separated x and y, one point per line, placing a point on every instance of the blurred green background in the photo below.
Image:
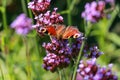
13	60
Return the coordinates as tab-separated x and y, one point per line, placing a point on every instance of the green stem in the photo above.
2	73
114	14
64	12
71	6
8	66
4	3
69	13
24	6
29	11
87	28
23	2
65	76
28	59
69	19
60	74
37	46
3	43
78	59
4	18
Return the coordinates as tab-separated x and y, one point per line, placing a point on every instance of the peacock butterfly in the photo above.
61	31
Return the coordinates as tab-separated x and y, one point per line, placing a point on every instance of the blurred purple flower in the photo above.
94	11
22	24
110	1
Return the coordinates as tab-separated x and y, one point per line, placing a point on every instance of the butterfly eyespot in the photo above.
76	35
42	30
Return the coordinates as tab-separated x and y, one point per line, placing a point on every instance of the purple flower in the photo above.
49	18
76	46
52	62
58	54
94	52
58	47
22	24
110	1
94	11
89	70
39	6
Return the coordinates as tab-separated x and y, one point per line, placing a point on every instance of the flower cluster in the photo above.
58	54
49	19
43	16
76	46
61	47
22	24
52	62
59	51
94	11
94	52
58	47
89	70
39	6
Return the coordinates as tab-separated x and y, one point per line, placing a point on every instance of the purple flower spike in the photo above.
49	18
89	70
76	46
58	54
58	47
94	52
22	24
53	61
39	6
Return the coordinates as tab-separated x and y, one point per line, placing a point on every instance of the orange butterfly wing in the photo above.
51	30
70	32
60	30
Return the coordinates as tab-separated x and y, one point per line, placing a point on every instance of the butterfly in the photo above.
61	31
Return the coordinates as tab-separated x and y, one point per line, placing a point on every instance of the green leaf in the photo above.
114	38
